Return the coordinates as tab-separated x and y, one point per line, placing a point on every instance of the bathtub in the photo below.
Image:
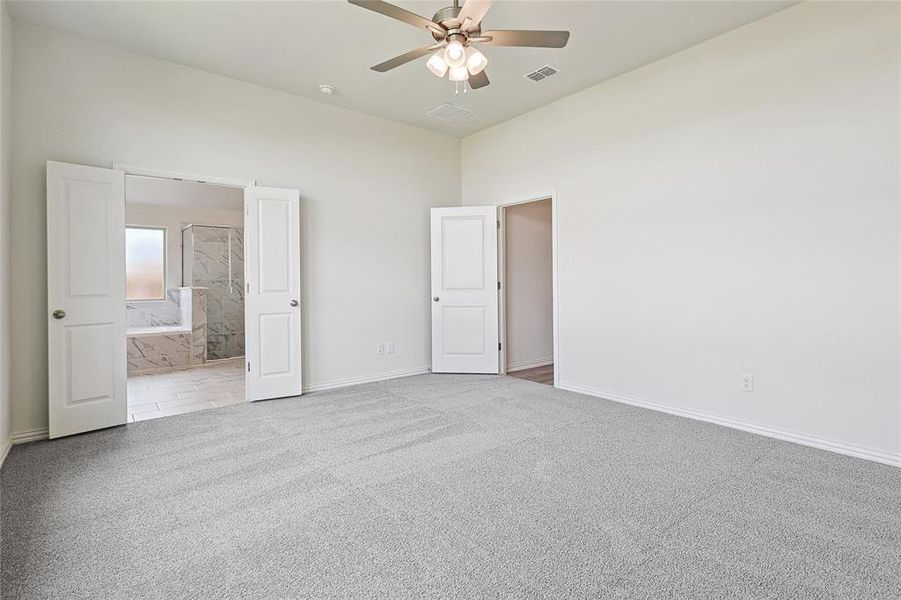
159	348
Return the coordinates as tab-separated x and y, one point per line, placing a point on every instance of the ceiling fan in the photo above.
455	29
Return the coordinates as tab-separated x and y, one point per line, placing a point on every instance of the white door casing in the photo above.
86	298
464	290
272	292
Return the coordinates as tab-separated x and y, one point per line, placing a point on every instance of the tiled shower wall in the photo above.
213	257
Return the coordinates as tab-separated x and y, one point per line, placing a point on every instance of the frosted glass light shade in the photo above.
475	61
458	74
455	54
436	64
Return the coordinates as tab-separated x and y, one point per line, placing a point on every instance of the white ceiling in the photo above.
295	46
169	192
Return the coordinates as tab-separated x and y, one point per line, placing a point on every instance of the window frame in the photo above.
165	262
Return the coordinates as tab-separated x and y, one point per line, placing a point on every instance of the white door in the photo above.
464	290
86	298
272	300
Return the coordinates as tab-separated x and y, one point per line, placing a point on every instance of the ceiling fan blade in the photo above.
396	12
404	58
535	39
474	10
479	80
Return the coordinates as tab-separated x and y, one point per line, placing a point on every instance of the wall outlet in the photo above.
380	349
389	347
747	382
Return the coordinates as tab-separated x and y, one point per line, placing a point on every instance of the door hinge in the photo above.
498	285
498	224
248	287
499	346
248	366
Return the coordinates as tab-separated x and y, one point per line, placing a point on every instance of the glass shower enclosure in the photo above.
213	258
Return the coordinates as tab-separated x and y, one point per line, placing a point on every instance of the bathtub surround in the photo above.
213	258
171	336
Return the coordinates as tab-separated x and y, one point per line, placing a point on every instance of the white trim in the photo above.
4	452
502	277
162	173
23	437
772	432
530	364
339	383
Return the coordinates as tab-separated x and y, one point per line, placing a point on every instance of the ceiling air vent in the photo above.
450	113
542	73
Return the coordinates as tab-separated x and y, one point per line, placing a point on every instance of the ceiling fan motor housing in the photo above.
447	18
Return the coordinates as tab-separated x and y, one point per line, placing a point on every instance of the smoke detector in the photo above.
327	89
450	113
541	73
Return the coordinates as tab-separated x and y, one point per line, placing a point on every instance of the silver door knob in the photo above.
59	314
294	302
436	299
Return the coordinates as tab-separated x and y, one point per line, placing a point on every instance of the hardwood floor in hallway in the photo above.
543	374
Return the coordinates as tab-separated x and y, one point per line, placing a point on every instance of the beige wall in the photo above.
366	185
730	209
528	277
6	44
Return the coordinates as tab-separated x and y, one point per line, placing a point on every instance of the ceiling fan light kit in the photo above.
454	30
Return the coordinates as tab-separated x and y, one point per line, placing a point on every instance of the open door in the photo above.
464	290
272	292
86	298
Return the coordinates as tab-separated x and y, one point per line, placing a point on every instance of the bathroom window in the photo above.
145	263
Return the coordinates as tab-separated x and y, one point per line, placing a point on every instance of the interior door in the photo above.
272	294
86	298
464	290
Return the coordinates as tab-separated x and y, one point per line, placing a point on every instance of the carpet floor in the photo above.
443	486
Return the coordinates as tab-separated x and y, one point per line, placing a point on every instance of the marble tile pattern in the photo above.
156	313
217	264
155	352
168	350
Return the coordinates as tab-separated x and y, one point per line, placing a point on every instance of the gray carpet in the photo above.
444	486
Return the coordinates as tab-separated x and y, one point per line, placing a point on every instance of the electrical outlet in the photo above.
747	382
380	349
389	348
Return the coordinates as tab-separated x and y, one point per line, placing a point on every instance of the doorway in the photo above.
89	291
526	275
184	278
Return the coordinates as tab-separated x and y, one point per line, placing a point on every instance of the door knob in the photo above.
294	302
59	314
436	299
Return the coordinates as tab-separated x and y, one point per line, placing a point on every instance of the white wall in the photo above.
174	219
366	184
6	45
733	208
529	284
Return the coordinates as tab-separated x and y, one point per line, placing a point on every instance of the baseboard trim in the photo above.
5	451
23	437
530	364
340	383
772	432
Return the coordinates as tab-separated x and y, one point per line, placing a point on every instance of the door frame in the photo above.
140	170
502	277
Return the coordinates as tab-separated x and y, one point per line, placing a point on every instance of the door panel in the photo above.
464	290
272	263
86	290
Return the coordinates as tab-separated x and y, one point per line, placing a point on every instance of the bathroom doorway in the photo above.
184	262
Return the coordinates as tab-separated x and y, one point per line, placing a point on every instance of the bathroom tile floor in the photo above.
216	384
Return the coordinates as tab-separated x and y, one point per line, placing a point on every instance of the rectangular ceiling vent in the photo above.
450	113
541	73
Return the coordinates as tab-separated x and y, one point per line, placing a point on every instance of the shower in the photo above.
213	258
